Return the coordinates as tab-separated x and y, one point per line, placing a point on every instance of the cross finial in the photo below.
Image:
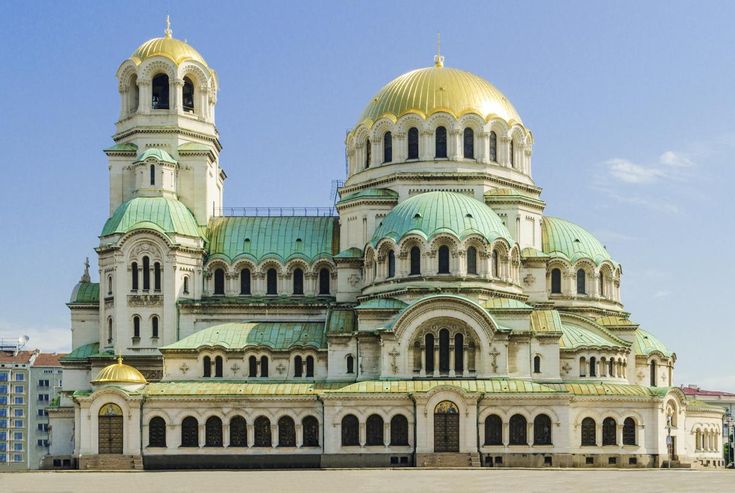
119	359
438	58
85	276
168	31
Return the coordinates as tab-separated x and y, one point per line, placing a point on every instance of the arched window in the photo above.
159	92
109	285
582	367
440	142
206	366
218	366
555	281
602	284
391	264
157	276
286	432
219	281
469	143
245	281
444	351
190	432
271	282
537	364
152	170
134	276
324	281
413	143
458	353
387	147
496	264
264	366
310	431
146	273
581	281
593	366
542	430
472	260
238	432
374	430
518	430
415	259
350	431
298	281
188	95
186	284
154	327
399	430
262	430
609	431
309	367
443	259
611	369
652	375
512	152
493	430
213	432
252	367
157	432
109	330
629	432
589	433
298	366
368	151
350	364
136	326
493	147
429	353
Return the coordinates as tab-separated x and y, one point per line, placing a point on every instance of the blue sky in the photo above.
631	105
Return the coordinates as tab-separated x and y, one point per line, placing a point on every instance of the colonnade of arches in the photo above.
445	351
258	366
271	279
608	432
584	279
602	366
375	431
518	430
707	440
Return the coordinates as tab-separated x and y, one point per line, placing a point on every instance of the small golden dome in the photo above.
430	90
174	49
119	373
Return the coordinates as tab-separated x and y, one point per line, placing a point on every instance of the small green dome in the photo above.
431	213
168	216
158	154
646	344
561	238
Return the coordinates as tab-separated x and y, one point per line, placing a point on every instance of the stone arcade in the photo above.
438	318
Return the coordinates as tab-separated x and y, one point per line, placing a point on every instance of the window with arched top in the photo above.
582	367
542	430
350	431
152	171
387	147
518	430
350	364
512	152
443	259
413	143
469	143
609	431
213	432
496	264
555	281
324	287
109	285
493	155
134	276
629	437
186	285
429	353
252	367
157	276
190	432
286	432
206	366
309	367
581	281
444	351
589	432
310	431
154	327
218	364
157	432
593	366
374	430
458	354
611	369
109	330
493	430
472	260
298	281
264	366
652	374
136	326
238	432
188	95
399	430
262	430
602	284
159	92
391	264
415	261
245	281
146	273
219	281
368	151
298	366
440	142
271	282
537	364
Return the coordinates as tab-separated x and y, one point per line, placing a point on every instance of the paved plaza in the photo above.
373	480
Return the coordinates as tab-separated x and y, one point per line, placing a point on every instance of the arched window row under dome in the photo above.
583	280
601	365
443	349
295	278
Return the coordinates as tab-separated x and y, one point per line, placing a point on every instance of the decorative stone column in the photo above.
455	144
178	88
144	96
426	149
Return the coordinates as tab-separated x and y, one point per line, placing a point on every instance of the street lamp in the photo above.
730	436
668	439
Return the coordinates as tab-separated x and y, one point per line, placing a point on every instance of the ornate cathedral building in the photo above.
434	317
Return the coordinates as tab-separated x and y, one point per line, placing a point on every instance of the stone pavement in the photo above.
374	480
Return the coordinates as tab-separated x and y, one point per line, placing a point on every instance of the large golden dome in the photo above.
119	373
426	91
174	49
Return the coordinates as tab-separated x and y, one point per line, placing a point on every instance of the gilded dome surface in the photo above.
174	49
431	213
426	91
119	373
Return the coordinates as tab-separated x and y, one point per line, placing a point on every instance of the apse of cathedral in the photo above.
434	317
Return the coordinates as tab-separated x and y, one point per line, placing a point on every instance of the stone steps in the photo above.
111	462
448	459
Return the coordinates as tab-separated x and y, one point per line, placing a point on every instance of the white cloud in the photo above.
46	338
635	200
675	159
661	293
668	166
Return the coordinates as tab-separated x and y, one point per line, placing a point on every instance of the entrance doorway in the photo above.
446	427
110	429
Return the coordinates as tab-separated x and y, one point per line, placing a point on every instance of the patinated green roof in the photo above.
280	237
612	321
85	293
505	304
350	253
341	322
646	344
157	154
127	147
382	304
193	146
575	336
82	352
370	193
165	215
432	213
530	252
261	300
236	336
563	239
546	321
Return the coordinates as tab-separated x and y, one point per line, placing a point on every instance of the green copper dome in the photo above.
431	213
168	216
158	154
646	344
561	238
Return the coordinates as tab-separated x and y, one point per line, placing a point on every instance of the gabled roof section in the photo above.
580	332
352	252
616	322
543	321
258	238
500	304
341	322
564	239
168	216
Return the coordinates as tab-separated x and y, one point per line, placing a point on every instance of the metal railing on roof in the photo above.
276	211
